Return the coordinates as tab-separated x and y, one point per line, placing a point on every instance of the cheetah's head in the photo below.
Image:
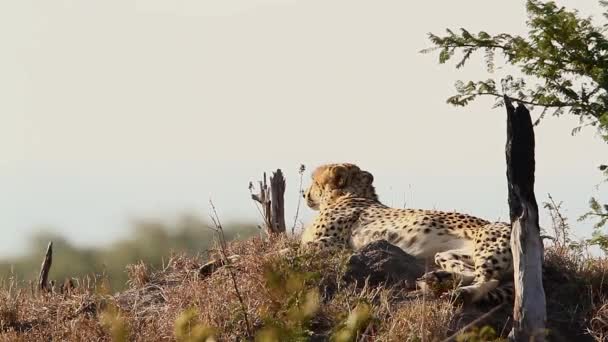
332	181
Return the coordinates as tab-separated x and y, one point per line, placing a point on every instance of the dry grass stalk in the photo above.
227	262
301	193
599	323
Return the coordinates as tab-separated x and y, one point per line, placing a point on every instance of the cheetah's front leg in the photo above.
456	269
328	231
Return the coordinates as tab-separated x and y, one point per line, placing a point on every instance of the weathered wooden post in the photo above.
43	284
529	311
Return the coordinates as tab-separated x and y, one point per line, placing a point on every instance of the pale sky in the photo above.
116	110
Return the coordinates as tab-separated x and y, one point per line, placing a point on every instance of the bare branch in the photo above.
532	103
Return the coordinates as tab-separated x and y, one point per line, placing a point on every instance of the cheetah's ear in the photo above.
367	178
339	175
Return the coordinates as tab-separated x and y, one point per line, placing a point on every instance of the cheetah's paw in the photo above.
436	282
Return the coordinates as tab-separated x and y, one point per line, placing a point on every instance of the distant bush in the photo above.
151	242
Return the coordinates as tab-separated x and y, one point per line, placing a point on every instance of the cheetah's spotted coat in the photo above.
472	250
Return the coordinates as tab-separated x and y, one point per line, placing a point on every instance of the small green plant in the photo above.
187	328
354	325
483	334
295	301
115	323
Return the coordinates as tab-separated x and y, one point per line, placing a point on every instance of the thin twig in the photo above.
220	233
532	103
368	330
559	222
492	46
473	323
255	202
295	219
264	199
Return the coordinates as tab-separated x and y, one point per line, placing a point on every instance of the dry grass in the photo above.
576	288
272	288
418	320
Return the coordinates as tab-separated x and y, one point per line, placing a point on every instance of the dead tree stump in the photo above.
529	312
272	200
277	201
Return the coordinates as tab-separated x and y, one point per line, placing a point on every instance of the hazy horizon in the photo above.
120	110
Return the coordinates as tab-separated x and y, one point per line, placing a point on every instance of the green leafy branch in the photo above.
567	54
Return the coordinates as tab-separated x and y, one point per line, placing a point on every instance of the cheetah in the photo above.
473	251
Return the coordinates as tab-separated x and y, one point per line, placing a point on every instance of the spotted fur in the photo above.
471	250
